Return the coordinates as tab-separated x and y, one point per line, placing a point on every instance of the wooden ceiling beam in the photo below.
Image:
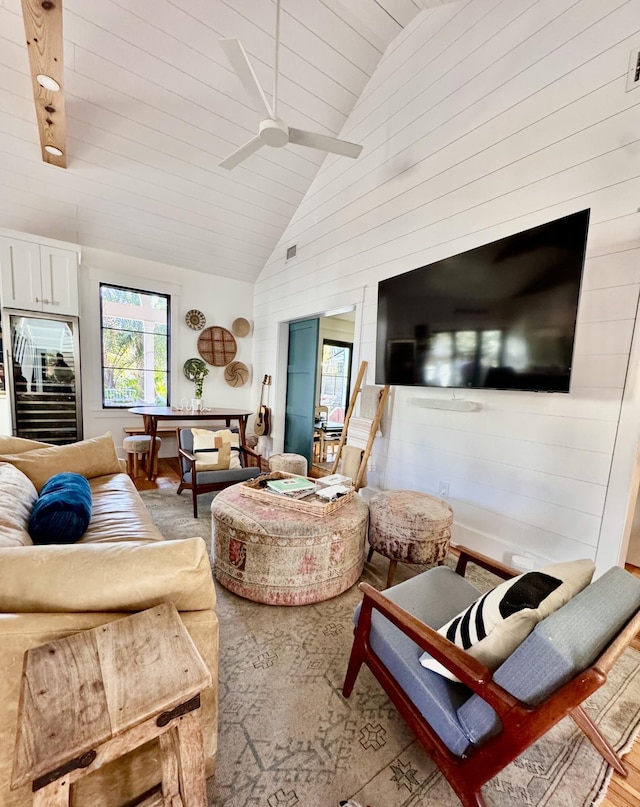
43	28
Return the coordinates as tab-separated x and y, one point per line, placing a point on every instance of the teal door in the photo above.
301	387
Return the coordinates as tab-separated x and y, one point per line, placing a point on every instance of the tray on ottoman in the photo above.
255	488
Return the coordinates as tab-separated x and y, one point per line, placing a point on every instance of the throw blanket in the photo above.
359	431
369	399
350	463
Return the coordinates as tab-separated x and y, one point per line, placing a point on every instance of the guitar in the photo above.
262	423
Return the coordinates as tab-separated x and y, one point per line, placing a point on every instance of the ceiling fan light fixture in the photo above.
47	83
53	150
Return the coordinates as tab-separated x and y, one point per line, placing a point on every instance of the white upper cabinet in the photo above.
59	277
36	277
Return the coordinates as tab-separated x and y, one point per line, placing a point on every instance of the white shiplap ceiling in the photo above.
152	107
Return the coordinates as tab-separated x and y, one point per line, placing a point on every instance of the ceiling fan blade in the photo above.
315	140
239	60
242	153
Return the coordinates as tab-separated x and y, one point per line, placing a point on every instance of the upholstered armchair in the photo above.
245	464
477	724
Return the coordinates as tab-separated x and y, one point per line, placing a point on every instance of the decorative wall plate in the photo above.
217	346
193	367
195	319
236	374
241	326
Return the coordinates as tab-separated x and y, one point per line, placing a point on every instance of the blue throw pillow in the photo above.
63	510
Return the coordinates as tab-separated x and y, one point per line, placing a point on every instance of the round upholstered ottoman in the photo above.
409	526
268	553
288	463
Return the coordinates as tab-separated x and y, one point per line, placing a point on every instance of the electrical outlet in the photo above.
443	489
633	74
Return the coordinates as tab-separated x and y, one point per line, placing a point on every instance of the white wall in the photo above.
484	118
220	299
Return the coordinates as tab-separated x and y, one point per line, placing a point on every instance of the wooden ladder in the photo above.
382	400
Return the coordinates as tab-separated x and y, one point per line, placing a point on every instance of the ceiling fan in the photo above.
273	131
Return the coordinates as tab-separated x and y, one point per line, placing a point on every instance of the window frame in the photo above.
338	343
149	293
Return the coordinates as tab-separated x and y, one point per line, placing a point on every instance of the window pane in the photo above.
334	379
135	347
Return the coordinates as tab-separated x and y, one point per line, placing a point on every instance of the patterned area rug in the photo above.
288	738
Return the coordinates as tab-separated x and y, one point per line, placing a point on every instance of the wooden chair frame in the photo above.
522	725
248	458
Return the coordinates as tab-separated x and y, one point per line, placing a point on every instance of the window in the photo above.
335	378
135	347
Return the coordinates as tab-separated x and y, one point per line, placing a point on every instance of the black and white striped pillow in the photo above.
493	626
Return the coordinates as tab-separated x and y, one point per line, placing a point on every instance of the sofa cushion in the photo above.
493	626
62	513
118	513
433	597
17	498
90	458
105	576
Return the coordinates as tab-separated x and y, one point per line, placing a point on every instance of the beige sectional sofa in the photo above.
122	564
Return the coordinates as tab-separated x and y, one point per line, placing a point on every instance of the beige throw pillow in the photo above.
90	458
495	624
18	445
210	451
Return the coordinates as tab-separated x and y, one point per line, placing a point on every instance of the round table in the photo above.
271	554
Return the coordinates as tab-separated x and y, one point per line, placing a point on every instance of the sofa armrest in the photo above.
126	576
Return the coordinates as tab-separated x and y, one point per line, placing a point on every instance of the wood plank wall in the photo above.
486	117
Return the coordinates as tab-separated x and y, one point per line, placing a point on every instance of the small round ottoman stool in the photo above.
137	448
271	554
409	526
288	464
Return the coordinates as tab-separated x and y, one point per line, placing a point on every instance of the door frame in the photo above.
352	301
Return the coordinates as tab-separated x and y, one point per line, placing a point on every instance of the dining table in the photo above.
326	434
152	414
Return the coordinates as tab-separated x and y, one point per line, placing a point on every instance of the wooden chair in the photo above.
475	728
206	481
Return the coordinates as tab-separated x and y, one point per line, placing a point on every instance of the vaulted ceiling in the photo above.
152	107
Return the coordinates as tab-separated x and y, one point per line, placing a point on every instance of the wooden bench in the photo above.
132	430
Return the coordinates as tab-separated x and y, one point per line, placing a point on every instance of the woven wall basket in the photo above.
217	346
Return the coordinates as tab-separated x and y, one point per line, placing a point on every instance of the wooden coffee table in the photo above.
94	696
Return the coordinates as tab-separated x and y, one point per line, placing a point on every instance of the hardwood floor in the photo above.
625	792
622	792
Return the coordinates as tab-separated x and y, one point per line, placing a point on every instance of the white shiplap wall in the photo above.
486	117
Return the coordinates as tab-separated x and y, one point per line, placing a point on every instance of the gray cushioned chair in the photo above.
475	728
205	481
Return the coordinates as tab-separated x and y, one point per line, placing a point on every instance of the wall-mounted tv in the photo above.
501	316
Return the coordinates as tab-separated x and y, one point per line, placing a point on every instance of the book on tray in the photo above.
295	486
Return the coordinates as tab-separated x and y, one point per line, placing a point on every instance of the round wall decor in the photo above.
236	374
193	367
217	346
241	326
195	319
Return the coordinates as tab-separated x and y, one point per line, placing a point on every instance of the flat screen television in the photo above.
500	316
